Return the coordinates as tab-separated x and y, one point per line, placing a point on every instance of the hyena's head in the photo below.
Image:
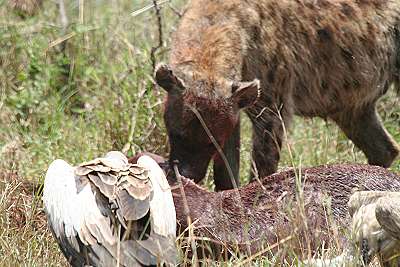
198	111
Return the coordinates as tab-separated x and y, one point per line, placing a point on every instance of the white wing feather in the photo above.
65	205
162	206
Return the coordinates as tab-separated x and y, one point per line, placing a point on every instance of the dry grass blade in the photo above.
262	252
60	40
217	146
148	7
23	224
188	218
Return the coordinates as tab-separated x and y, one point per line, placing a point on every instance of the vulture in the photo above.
109	212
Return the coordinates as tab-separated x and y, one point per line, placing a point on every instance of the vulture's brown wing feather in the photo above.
138	190
132	248
106	189
132	208
160	246
108	178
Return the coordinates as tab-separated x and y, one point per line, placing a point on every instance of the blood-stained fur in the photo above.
327	58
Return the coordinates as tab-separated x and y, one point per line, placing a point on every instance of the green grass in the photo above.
96	95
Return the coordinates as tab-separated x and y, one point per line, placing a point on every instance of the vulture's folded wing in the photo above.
107	211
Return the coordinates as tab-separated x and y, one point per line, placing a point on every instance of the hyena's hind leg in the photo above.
365	129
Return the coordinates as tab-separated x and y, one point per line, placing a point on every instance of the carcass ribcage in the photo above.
106	212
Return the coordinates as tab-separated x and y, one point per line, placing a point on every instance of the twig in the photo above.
61	40
2	98
160	35
256	175
175	10
144	9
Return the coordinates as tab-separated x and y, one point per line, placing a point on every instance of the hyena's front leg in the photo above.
223	179
268	126
365	129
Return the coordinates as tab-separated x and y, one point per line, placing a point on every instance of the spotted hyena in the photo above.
274	58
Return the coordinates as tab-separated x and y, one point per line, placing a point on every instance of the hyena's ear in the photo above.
245	93
166	78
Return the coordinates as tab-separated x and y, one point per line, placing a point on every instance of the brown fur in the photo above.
25	8
268	212
326	58
271	214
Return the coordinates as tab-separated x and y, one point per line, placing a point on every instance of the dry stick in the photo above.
228	167
255	171
160	35
61	40
176	11
256	175
187	211
144	9
2	98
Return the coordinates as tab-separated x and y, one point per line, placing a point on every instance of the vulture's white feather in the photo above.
66	205
161	204
60	197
